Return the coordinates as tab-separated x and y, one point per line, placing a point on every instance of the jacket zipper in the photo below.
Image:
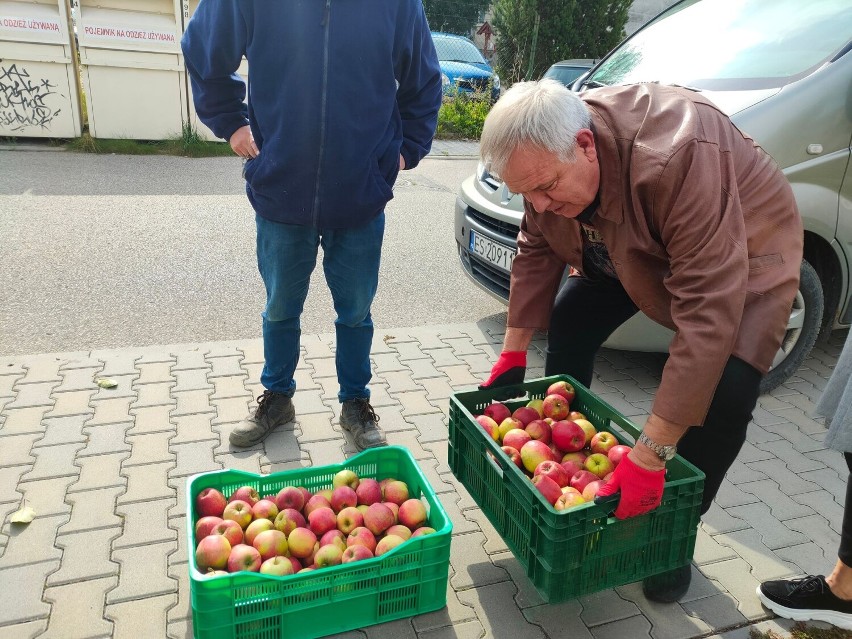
323	104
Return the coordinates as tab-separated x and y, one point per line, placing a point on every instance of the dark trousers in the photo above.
588	310
845	552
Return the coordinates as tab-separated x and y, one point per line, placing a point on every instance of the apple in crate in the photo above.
290	497
265	509
525	415
301	542
212	552
562	388
568	436
255	528
345	477
244	557
343	497
321	520
356	553
246	494
574	415
516	438
549	489
205	526
238	511
491	427
540	430
599	464
379	518
412	514
571	466
271	543
334	537
513	455
396	492
507	425
581	478
587	426
423	530
569	500
554	470
279	566
349	519
316	501
329	555
592	488
400	531
388	543
534	452
602	442
288	520
230	530
497	411
394	508
368	492
556	407
362	536
536	405
210	502
617	453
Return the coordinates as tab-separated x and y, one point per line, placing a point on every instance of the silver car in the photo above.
782	70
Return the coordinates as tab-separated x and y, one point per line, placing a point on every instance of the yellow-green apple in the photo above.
238	511
290	497
540	430
549	489
537	405
362	536
279	566
288	520
569	489
525	415
356	553
568	436
369	492
574	415
423	530
394	508
554	470
271	543
587	426
599	464
264	509
581	478
497	411
343	497
400	531
255	528
562	388
330	555
516	438
325	492
333	537
572	466
396	492
569	500
602	442
379	518
591	489
491	428
246	494
301	542
321	520
412	513
316	501
508	424
362	508
534	452
617	453
388	543
212	552
230	530
244	557
307	569
556	407
345	477
205	526
514	455
210	502
349	519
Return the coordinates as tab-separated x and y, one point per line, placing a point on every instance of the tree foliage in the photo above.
454	16
567	29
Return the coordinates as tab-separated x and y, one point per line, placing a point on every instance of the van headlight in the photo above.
496	81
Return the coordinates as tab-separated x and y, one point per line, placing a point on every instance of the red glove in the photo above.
510	369
641	489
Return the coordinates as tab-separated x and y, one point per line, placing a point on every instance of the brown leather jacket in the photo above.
702	229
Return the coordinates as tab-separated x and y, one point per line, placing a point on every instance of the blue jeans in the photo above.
286	257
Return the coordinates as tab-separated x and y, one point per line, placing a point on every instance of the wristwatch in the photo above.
665	453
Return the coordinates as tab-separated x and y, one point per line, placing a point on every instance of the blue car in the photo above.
463	69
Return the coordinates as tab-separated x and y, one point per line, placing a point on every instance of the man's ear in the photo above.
586	145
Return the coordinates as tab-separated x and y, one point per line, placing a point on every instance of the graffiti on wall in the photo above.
23	99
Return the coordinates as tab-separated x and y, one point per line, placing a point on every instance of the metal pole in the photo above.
533	47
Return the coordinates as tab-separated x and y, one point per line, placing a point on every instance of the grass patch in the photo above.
803	631
461	116
187	144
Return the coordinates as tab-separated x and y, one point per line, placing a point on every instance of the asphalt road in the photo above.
105	251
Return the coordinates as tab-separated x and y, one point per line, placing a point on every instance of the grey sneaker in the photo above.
359	418
273	410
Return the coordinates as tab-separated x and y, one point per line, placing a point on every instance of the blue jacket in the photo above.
337	90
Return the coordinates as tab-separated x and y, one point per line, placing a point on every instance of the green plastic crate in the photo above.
575	552
409	580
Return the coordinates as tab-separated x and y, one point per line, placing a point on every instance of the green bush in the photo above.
461	116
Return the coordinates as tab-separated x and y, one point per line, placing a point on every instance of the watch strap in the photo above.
664	451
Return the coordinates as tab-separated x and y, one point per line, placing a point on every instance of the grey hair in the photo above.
543	114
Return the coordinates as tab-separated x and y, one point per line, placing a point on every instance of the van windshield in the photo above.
732	44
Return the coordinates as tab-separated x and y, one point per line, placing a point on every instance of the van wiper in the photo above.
594	84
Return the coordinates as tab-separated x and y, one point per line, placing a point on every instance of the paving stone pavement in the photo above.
106	471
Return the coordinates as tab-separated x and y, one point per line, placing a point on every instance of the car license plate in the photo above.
497	254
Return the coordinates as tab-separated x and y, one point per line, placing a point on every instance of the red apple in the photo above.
205	526
316	501
396	492
333	537
489	426
574	415
329	555
301	542
277	566
554	470
423	530
507	425
587	426
568	436
271	543
321	520
581	478
556	407
210	502
212	552
536	405
264	509
572	467
388	543
290	497
540	430
345	477
362	537
349	519
255	528
617	453
379	518
412	514
288	520
516	438
394	508
244	557
513	455
599	464
400	531
343	497
246	494
591	489
497	411
533	453
602	442
356	553
562	388
238	511
525	415
230	530
549	489
578	456
369	491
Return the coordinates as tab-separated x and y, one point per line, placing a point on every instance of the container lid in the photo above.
128	30
29	22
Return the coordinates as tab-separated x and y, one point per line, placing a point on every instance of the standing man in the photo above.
342	96
661	204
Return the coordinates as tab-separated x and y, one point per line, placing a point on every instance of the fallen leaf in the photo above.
23	516
106	382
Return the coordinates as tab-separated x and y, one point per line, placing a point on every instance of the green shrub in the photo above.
461	116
